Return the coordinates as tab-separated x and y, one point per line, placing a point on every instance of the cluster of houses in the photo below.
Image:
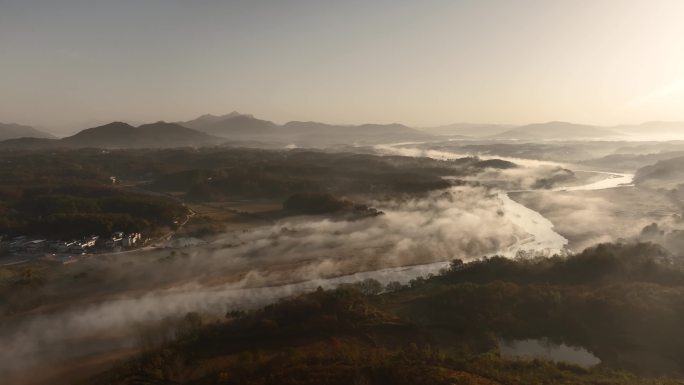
91	244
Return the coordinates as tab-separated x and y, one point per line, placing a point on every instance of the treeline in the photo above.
59	214
324	203
230	173
624	303
606	263
71	195
280	174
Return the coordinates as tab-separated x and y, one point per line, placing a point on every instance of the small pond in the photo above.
543	349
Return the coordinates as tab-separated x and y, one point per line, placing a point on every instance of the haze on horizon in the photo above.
71	63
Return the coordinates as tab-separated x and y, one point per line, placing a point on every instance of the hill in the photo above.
14	131
668	173
613	303
119	135
631	162
30	144
314	132
123	135
654	130
244	127
238	126
557	131
468	129
207	119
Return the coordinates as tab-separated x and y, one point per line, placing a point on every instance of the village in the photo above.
67	251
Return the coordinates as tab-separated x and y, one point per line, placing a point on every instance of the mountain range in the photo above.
237	128
13	131
121	135
214	130
557	131
474	130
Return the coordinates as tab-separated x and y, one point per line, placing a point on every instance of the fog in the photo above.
249	268
239	269
243	269
573	138
422	149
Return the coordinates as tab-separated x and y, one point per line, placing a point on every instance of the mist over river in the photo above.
413	239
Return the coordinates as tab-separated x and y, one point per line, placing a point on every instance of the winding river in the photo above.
541	238
90	321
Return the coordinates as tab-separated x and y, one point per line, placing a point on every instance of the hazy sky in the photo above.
427	62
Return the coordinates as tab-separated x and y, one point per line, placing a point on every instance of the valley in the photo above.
224	258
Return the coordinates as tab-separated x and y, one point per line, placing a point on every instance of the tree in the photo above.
370	286
393	286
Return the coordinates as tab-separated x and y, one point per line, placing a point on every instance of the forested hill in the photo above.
614	300
666	173
79	192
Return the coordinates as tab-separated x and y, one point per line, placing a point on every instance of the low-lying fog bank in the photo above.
243	269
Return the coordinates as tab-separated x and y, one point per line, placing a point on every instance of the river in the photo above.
37	333
541	238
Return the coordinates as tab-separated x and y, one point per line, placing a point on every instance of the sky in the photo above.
75	63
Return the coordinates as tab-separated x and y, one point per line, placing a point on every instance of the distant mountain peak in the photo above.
202	121
207	117
15	131
212	117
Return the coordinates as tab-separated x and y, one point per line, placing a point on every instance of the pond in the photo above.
546	350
